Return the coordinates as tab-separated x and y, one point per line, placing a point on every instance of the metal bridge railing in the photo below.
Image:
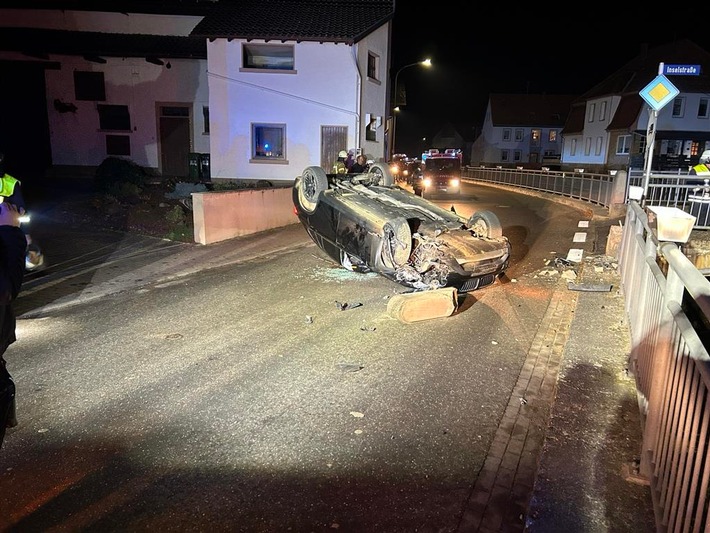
671	365
594	188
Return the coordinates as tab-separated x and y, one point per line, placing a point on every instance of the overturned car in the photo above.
368	224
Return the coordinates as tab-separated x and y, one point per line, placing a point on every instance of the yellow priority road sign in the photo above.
659	92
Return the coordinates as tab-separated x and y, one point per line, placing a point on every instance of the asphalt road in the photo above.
241	398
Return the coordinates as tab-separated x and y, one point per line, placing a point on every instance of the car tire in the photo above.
397	243
486	224
384	174
313	181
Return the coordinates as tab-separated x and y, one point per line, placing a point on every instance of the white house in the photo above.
521	129
285	94
157	83
607	126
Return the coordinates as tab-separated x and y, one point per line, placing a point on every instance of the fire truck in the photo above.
441	172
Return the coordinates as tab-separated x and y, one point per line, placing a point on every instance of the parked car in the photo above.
366	223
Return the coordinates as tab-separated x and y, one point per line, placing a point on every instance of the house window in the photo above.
678	107
518	135
588	146
602	111
114	117
623	144
592	111
535	136
703	108
598	149
373	63
268	56
504	155
573	147
267	142
89	86
118	145
206	120
517	154
506	134
694	148
552	137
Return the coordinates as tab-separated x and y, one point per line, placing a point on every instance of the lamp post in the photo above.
424	63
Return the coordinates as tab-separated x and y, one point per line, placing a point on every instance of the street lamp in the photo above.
425	63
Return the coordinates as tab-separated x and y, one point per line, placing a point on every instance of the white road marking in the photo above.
575	255
580	236
583	224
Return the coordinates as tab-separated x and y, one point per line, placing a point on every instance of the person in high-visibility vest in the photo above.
703	167
340	167
10	187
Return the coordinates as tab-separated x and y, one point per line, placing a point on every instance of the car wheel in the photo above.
383	173
486	224
313	182
397	243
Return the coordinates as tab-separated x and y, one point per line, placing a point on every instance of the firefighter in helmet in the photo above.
340	167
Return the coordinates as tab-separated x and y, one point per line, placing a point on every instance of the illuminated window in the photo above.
268	142
553	136
268	56
535	136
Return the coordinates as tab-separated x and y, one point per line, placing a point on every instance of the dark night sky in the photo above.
499	48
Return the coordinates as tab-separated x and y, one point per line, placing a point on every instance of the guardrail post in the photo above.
617	203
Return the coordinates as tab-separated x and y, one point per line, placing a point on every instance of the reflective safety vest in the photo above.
340	168
701	170
7	185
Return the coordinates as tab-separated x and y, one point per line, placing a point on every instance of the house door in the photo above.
174	131
332	140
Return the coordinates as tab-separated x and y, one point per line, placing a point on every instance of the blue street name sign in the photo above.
681	70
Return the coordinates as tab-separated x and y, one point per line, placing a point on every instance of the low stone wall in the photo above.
222	215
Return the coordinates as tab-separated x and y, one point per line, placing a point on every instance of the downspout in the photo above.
359	98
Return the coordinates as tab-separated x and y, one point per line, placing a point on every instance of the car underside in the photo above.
366	223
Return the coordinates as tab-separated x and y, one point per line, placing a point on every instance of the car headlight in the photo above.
427	182
454	182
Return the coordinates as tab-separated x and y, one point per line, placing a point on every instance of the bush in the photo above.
114	173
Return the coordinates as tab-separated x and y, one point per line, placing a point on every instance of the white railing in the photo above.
588	187
668	305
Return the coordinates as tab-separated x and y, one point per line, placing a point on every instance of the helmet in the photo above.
342	153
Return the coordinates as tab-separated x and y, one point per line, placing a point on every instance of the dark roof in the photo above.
172	7
641	70
39	43
575	121
335	21
626	113
530	109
